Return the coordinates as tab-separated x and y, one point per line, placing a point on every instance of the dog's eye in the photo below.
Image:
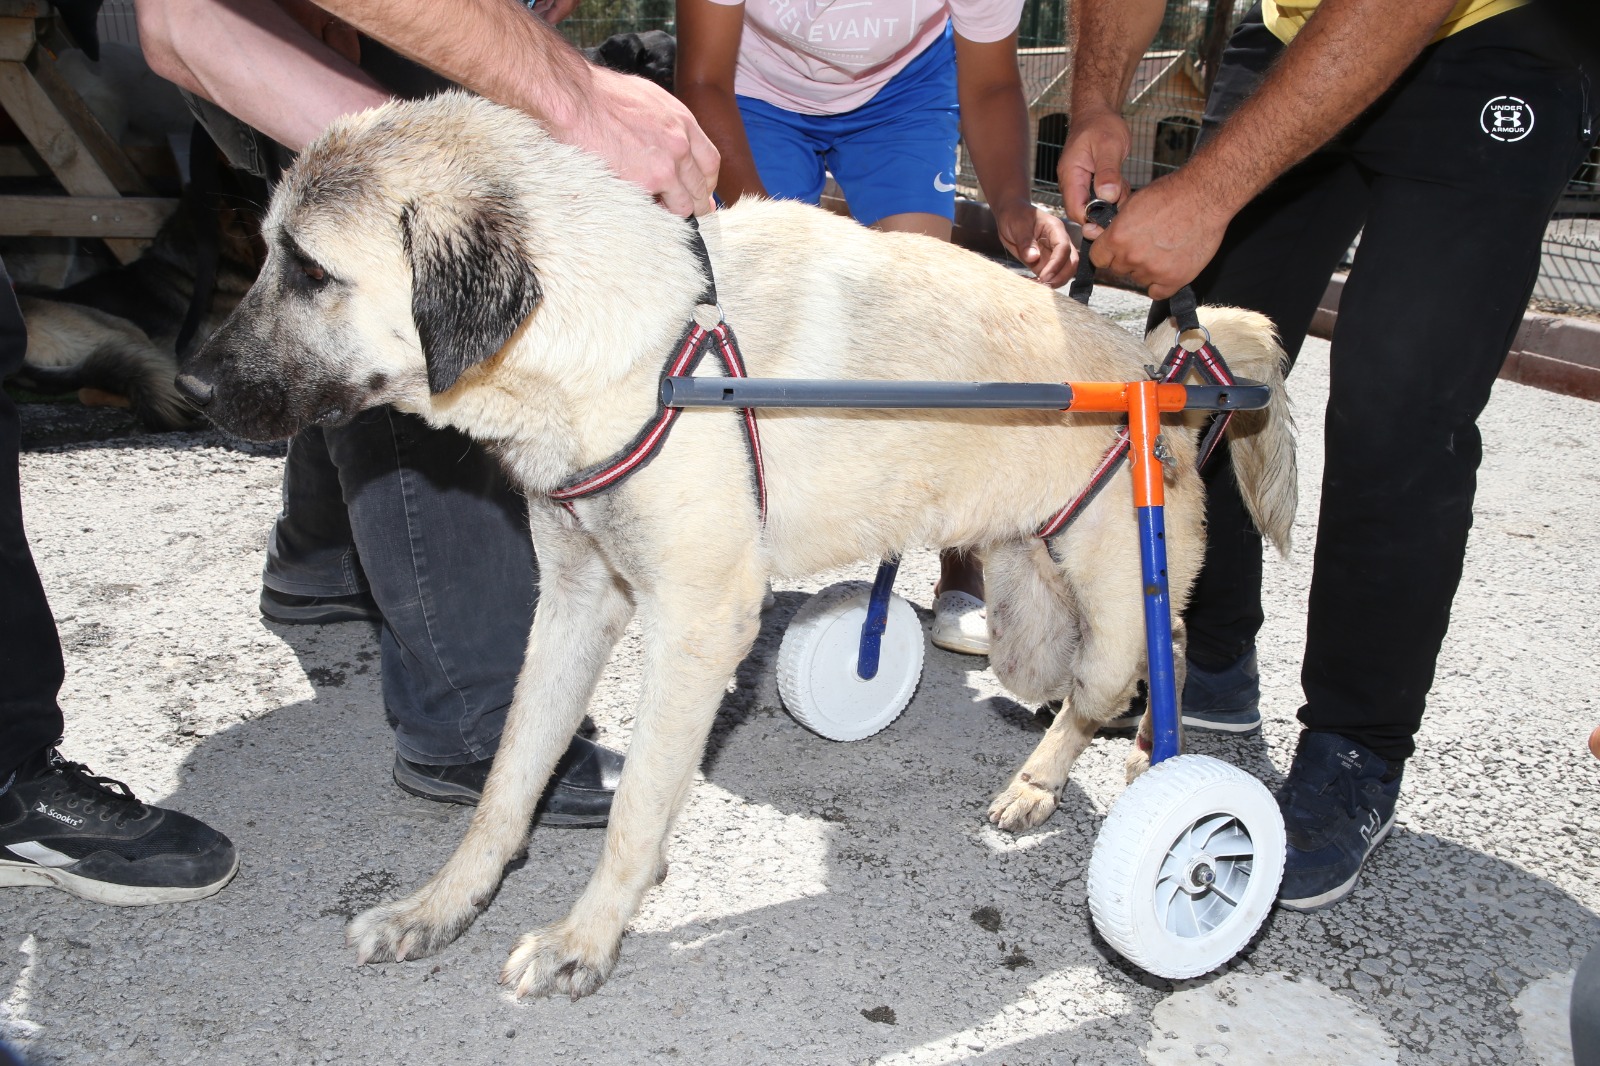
306	274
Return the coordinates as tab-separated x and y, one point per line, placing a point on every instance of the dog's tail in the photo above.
1261	443
72	347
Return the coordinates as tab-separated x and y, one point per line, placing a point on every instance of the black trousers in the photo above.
30	651
1450	179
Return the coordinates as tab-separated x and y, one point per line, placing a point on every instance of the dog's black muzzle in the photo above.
260	389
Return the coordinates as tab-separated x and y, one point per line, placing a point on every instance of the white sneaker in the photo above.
960	624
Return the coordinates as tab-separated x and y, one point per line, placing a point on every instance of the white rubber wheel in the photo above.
817	664
1186	866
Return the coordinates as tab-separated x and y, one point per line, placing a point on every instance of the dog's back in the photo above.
812	295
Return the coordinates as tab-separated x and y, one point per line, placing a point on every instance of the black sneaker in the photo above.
1338	805
579	796
288	610
62	826
1214	701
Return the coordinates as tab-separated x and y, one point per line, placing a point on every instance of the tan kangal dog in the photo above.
449	258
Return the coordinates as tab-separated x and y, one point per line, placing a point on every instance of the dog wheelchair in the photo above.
1187	863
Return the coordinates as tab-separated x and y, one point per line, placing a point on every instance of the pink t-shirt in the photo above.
823	57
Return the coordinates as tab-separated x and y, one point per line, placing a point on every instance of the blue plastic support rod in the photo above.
877	619
1158	633
887	395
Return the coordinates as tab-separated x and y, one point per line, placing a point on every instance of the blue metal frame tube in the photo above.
1158	633
877	620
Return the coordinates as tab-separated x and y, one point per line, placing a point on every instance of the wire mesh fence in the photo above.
1167	99
1163	110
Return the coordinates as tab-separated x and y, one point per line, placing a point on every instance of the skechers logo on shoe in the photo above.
51	812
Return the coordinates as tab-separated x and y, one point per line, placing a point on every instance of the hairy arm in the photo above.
256	61
708	51
1109	37
230	51
994	124
1347	54
499	49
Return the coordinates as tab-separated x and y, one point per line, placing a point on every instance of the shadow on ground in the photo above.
893	925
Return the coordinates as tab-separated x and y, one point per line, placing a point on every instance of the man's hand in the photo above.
1091	164
646	136
1163	236
1038	240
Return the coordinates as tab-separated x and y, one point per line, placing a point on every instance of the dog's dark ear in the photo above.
471	283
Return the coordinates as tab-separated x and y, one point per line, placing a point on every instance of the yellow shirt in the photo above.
1285	18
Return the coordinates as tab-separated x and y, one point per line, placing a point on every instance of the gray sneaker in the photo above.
1221	701
1226	700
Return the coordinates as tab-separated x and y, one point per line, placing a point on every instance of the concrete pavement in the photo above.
827	903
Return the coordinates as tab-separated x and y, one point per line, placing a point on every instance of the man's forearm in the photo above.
496	48
1344	58
1108	39
253	60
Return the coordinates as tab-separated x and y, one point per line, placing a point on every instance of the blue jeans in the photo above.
425	521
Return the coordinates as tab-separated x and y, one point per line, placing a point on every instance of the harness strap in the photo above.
691	349
1184	308
1208	361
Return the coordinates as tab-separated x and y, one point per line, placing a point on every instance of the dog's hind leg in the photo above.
582	611
1101	567
1033	624
698	625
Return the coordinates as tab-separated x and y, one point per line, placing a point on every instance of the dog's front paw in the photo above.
1022	805
410	928
559	959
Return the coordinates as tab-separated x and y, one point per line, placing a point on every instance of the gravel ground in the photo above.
828	903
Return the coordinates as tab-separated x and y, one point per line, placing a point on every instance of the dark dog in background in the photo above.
112	337
652	54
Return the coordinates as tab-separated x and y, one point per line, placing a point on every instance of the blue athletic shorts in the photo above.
893	154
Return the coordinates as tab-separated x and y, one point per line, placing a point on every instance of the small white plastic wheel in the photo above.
1186	866
817	664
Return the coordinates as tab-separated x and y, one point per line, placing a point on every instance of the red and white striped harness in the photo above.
686	357
697	340
1207	360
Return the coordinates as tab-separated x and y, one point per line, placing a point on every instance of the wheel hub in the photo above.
1201	874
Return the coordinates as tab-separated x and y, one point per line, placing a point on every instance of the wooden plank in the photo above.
24	9
127	249
99	144
114	217
57	143
17	36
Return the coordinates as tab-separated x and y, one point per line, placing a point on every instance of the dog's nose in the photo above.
198	392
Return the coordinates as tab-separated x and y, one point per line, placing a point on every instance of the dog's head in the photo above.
398	257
